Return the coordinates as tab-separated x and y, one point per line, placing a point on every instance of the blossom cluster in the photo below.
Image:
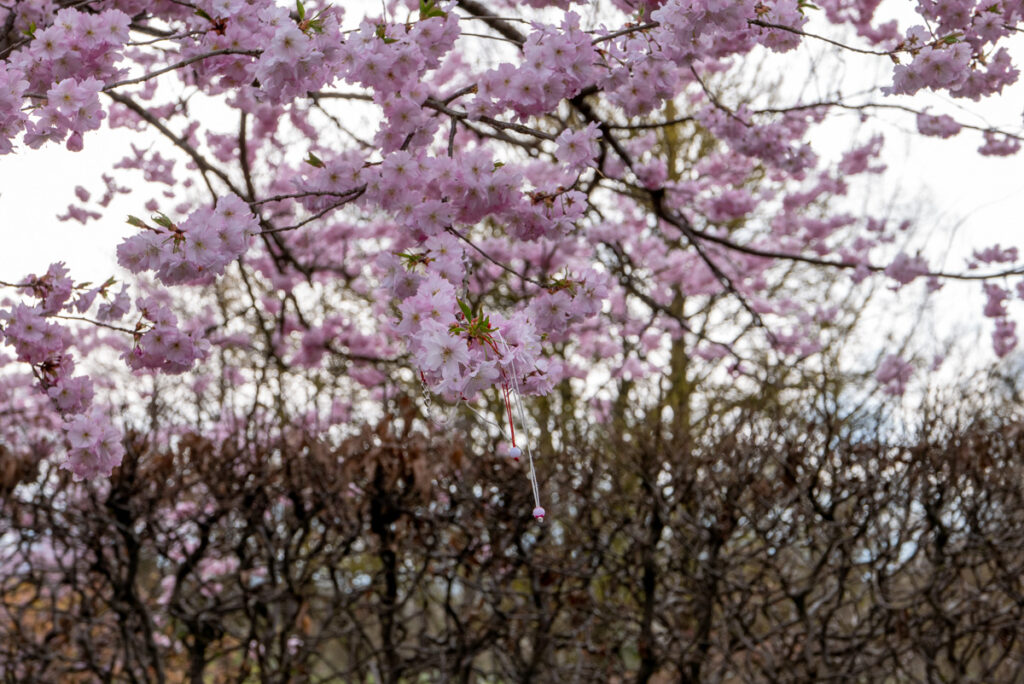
939	126
691	30
96	447
780	143
194	251
297	57
164	345
905	268
391	59
270	56
1004	335
894	372
557	63
46	345
956	54
61	71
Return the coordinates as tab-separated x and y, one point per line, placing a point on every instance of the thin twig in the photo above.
355	195
178	65
625	31
508	269
307	193
95	322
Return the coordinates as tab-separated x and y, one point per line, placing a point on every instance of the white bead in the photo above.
515	452
538	513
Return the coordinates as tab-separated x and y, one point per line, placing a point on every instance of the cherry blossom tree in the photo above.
488	200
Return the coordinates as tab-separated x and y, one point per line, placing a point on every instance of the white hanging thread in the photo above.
538	511
483	417
450	416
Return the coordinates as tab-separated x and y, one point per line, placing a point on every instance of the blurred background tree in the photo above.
780	535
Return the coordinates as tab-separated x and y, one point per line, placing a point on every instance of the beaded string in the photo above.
515	451
430	404
450	415
538	511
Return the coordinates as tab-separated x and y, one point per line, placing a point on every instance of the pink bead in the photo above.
538	513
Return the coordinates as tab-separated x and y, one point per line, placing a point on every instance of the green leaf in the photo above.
31	30
137	222
300	9
162	220
413	259
467	312
314	161
204	15
382	33
429	8
316	23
